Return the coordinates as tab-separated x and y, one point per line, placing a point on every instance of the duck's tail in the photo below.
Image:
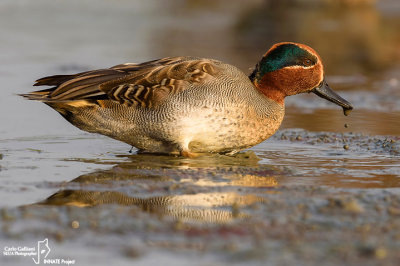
44	95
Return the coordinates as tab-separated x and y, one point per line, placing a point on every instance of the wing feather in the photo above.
147	84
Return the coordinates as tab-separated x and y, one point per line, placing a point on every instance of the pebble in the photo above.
75	224
346	147
394	211
380	253
59	236
353	206
133	252
349	205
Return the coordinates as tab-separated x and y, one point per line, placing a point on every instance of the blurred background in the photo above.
358	41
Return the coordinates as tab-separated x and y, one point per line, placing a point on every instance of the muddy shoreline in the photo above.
243	209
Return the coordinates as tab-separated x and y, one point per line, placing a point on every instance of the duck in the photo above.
188	106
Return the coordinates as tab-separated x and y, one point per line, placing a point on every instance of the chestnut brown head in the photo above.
291	68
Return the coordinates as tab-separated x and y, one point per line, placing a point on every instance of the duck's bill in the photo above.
324	91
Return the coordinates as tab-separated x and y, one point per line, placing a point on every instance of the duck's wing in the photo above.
147	84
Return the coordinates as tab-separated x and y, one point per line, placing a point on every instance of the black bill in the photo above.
325	92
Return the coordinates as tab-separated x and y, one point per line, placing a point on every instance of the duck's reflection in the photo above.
209	189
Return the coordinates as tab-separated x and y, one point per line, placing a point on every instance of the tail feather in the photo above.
41	95
55	80
44	95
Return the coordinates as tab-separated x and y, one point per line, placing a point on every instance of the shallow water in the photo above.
315	191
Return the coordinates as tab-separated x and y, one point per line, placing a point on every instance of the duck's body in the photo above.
180	105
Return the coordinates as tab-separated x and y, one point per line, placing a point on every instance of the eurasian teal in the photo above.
188	105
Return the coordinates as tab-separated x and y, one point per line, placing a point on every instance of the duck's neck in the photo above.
266	86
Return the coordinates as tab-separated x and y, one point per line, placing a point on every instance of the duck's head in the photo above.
291	68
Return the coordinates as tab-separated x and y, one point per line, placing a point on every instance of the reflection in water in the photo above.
188	190
219	188
198	207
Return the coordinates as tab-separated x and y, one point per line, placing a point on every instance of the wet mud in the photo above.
314	208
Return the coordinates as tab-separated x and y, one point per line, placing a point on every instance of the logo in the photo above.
39	253
42	248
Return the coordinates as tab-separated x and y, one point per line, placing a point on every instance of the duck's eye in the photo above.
307	62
